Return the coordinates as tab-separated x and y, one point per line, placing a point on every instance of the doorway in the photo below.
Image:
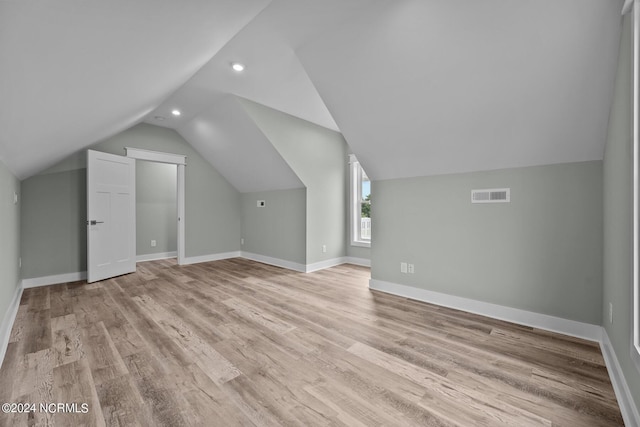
179	161
156	211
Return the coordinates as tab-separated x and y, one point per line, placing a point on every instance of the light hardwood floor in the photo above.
237	342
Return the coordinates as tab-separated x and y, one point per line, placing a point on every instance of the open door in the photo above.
111	215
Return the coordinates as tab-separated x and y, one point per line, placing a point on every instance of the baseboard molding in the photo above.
156	256
337	261
357	261
626	403
321	265
8	320
54	280
528	318
211	257
278	262
290	265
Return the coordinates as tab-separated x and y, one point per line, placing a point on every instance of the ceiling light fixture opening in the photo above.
237	67
175	112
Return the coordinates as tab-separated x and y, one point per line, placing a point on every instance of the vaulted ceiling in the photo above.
417	87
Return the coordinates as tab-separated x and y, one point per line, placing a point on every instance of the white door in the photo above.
111	215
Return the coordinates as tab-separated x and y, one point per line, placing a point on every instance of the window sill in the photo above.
361	244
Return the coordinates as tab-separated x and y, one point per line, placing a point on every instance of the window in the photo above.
360	197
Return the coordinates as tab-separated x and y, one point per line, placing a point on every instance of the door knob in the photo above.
94	222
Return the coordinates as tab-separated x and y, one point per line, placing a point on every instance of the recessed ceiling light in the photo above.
237	67
159	118
175	112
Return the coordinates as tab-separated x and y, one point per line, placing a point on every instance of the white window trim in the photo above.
635	328
355	190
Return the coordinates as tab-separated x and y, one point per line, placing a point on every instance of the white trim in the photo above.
180	161
275	261
180	196
360	243
321	265
357	261
635	297
8	320
54	280
626	7
155	156
210	257
626	403
528	318
278	262
156	256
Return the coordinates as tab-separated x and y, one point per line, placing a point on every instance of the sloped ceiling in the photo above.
74	72
237	148
417	87
432	87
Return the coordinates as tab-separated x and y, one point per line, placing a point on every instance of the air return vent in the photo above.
491	195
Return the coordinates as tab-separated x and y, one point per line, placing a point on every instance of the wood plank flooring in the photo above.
239	343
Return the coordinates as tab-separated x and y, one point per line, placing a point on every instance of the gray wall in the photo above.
618	214
277	230
54	209
542	252
53	232
9	238
156	207
318	156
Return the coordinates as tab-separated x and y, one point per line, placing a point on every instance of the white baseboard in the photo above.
278	262
8	320
357	261
626	403
515	315
274	261
211	257
321	265
337	261
156	256
54	280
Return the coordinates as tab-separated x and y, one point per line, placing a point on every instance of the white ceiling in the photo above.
77	71
417	87
432	87
237	148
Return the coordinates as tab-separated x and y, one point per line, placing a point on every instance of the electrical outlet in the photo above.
410	268
324	249
153	243
610	313
403	267
242	241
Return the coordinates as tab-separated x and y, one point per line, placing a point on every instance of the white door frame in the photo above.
173	159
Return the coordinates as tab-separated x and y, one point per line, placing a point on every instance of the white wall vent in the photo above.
491	195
